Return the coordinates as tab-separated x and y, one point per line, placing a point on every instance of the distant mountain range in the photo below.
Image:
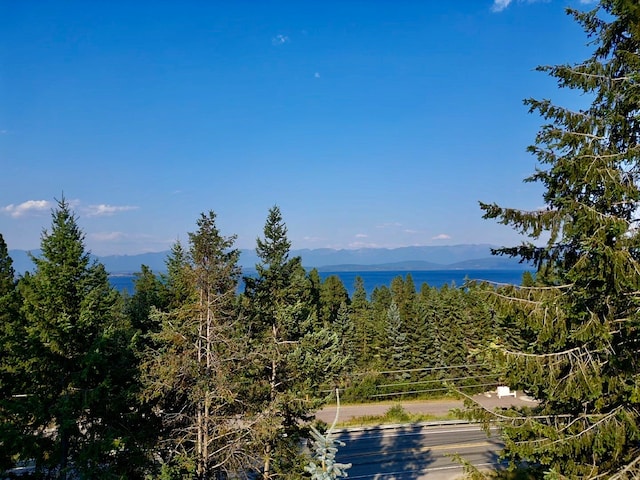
451	257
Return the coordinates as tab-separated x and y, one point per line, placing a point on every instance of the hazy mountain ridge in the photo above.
449	257
490	263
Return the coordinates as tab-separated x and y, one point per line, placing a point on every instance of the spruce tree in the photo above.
403	291
332	294
291	353
11	346
362	324
81	371
315	285
149	293
581	361
177	286
380	302
345	329
191	369
404	295
397	349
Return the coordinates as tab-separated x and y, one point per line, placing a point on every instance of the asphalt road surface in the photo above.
439	408
416	452
421	451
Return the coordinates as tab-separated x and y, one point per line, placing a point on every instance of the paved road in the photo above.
434	407
416	452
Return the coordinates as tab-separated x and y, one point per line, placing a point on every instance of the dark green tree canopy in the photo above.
77	358
191	369
11	346
7	273
273	248
581	316
215	255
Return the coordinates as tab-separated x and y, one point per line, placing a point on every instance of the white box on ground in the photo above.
506	392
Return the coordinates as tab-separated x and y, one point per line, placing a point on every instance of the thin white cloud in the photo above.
500	5
363	245
280	40
123	236
410	231
116	242
74	203
106	210
312	239
361	235
107	236
442	236
389	225
26	208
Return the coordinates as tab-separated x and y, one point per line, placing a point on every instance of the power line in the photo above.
441	380
392	394
424	369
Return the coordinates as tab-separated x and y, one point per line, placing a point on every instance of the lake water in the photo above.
373	279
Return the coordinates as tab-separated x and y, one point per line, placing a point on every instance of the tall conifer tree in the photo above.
397	348
11	346
332	295
149	293
292	354
82	377
191	369
582	361
364	333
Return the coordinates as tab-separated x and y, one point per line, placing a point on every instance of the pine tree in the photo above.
190	371
324	466
292	354
149	293
404	295
345	329
397	348
177	285
582	360
423	335
7	273
81	369
11	345
380	302
315	284
332	295
403	292
362	323
435	326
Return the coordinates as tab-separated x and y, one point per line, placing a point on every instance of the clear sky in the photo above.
369	123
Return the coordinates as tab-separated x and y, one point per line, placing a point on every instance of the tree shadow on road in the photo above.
391	452
487	465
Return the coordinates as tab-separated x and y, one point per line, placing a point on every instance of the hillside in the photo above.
451	257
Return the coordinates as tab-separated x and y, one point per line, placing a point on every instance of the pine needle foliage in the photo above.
578	323
292	353
189	369
76	370
324	466
11	344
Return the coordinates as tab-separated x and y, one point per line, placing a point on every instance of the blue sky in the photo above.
369	123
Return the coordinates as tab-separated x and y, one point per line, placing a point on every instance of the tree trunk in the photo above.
268	451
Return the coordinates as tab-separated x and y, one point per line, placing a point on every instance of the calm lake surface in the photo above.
373	279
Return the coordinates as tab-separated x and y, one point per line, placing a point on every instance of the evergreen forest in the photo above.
189	378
